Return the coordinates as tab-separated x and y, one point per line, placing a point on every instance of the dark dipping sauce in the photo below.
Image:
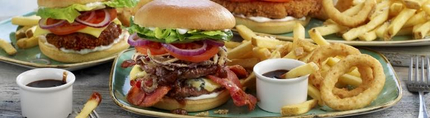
275	74
46	83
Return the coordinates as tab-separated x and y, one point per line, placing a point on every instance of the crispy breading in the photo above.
295	8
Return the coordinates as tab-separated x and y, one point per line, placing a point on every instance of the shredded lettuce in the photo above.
71	12
173	35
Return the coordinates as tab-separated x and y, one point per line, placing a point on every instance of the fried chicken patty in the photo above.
78	41
295	8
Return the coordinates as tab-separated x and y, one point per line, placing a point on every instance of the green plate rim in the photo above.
336	114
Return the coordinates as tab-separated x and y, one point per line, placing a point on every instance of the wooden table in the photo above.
96	79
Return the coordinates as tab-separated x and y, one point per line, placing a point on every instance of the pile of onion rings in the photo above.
371	74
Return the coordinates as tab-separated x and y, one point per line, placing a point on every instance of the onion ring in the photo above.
350	21
366	79
323	52
361	100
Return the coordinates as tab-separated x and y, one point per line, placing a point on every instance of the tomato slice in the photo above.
155	48
69	28
210	52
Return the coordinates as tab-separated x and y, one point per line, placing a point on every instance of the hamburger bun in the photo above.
274	27
63	3
58	55
194	105
196	14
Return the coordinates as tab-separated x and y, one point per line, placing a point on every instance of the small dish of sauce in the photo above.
276	74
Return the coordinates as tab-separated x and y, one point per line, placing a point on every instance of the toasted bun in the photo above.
189	14
58	55
194	105
63	3
277	27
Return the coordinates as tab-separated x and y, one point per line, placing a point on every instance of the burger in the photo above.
272	16
80	30
180	59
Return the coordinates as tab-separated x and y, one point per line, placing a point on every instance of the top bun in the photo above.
188	14
63	3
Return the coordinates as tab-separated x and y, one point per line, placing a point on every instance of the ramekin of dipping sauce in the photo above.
44	94
273	93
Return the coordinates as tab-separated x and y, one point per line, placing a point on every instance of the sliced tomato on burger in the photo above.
209	53
154	47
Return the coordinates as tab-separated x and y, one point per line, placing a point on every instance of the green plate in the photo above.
396	41
119	86
32	57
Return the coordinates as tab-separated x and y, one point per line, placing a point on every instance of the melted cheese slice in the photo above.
87	30
204	83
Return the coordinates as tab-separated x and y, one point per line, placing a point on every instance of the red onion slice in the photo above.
213	42
104	23
135	40
43	25
186	52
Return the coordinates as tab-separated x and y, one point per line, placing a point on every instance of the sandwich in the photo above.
272	16
180	59
81	30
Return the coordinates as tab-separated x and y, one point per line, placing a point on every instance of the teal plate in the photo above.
396	41
32	57
119	86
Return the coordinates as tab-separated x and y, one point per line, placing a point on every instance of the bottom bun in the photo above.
194	105
58	55
275	27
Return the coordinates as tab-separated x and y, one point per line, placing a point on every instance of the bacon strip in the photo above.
232	83
138	97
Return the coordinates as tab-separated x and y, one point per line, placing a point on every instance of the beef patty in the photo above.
78	41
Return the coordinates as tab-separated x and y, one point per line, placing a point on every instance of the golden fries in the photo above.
91	104
7	47
231	44
245	32
355	32
422	30
238	52
398	23
25	43
25	20
297	109
246	63
413	4
301	70
316	36
266	42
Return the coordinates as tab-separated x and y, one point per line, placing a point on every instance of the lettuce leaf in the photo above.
173	35
71	12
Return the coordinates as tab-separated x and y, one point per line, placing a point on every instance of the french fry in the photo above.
332	61
249	81
238	52
7	47
299	32
317	38
21	32
246	63
261	53
419	18
291	55
245	32
231	44
426	8
395	8
381	6
413	4
297	109
350	80
405	31
91	104
315	94
381	30
30	31
25	43
275	54
329	29
398	23
25	20
301	70
284	48
422	30
355	32
266	42
369	36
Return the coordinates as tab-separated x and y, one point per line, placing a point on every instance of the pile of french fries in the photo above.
24	36
254	49
388	19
